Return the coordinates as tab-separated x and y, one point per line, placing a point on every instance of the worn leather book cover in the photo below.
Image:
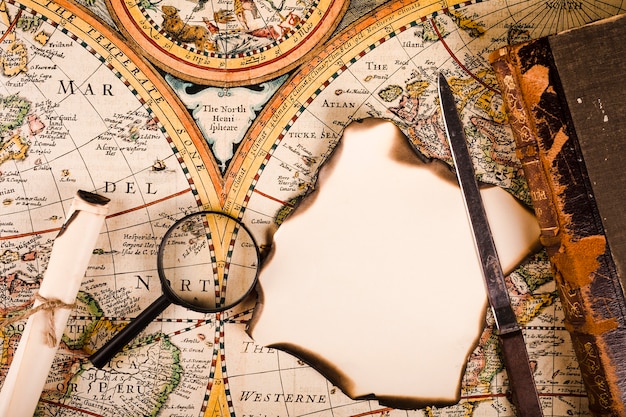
565	96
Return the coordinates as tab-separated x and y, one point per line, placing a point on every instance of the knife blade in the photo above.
513	346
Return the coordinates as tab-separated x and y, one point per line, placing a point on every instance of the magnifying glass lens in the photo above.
208	262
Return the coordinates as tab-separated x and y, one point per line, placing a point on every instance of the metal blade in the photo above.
513	347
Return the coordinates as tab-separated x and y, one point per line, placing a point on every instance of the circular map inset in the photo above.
227	42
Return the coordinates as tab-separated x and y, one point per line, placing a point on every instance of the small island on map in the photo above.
384	247
13	111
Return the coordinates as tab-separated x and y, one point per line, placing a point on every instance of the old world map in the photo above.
81	109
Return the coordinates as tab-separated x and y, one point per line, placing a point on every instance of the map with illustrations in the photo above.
227	41
80	108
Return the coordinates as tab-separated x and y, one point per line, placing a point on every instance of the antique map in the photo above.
81	109
227	41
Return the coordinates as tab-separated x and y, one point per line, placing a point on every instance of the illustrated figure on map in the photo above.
184	32
243	6
237	28
240	8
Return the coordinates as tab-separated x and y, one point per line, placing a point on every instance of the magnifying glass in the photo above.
207	262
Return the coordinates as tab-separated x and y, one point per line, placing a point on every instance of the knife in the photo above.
515	355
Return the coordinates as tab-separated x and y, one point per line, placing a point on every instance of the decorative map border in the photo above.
226	69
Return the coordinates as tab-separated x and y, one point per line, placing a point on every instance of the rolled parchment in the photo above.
70	256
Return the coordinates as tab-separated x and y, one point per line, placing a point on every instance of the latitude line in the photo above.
160	200
69	407
457	60
12	25
130	210
369	413
279	201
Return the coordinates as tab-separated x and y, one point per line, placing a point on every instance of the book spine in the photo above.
527	147
545	145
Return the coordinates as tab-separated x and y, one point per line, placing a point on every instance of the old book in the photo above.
565	97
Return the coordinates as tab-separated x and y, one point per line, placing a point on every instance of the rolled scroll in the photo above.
47	320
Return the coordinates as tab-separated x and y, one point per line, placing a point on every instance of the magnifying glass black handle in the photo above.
128	333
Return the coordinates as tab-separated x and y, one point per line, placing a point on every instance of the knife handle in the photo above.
517	364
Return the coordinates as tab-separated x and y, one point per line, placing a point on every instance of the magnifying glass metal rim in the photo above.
104	355
166	287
